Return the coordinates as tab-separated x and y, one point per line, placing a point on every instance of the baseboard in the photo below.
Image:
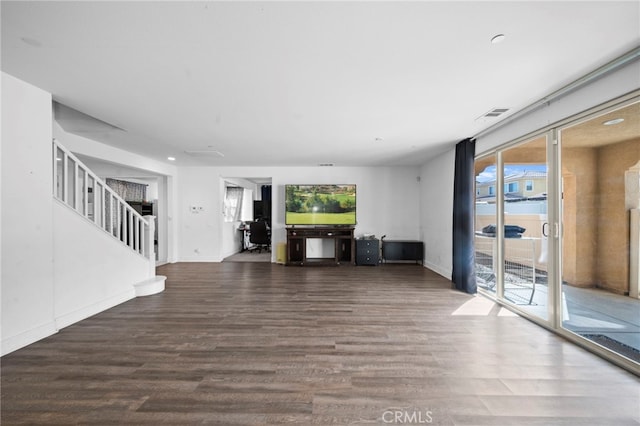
199	260
437	269
28	337
67	319
151	286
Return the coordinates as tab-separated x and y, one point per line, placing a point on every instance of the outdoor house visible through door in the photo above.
558	232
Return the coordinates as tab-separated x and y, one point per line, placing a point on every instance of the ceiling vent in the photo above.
496	112
325	165
205	153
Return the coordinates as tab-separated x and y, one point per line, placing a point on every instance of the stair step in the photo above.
151	286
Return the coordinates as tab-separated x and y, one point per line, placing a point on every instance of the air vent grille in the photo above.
496	112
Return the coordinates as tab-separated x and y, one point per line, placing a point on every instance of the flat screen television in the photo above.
320	204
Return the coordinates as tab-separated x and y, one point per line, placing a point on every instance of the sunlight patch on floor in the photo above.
506	313
476	306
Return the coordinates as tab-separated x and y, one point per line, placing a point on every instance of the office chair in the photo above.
259	236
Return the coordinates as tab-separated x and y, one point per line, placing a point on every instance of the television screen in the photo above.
320	204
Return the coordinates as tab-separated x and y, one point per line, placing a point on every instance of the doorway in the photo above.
246	200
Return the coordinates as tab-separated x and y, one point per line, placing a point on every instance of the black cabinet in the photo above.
393	250
296	249
367	252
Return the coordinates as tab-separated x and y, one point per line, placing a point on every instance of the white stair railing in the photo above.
80	189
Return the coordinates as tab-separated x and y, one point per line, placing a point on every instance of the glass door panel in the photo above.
485	223
526	228
600	172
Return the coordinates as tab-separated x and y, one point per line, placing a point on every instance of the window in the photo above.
232	203
492	190
510	187
528	186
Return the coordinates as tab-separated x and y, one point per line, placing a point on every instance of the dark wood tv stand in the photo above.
341	235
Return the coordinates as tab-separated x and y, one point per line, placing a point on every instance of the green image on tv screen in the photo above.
320	204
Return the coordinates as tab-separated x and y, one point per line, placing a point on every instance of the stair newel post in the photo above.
149	246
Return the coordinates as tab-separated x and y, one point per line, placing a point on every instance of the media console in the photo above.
343	241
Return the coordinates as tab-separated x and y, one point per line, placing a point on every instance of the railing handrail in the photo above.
97	179
114	215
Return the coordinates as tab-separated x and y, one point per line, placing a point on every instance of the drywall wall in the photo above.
388	202
437	174
50	275
27	225
92	270
437	213
611	86
106	160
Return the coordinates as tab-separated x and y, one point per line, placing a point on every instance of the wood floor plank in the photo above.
260	344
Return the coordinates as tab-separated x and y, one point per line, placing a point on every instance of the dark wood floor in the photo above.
251	343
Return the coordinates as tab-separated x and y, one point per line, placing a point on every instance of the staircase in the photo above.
78	188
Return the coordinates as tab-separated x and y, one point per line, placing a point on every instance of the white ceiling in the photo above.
303	83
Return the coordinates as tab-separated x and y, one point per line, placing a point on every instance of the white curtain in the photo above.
129	191
232	203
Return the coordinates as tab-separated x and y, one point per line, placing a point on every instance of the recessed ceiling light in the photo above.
171	158
614	121
497	38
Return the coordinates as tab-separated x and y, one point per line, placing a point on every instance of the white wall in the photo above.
437	198
609	87
117	162
92	271
55	271
437	213
27	224
388	202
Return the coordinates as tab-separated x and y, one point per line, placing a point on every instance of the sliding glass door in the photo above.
485	224
558	229
600	166
512	225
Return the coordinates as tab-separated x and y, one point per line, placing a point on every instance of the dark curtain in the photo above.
266	193
464	273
